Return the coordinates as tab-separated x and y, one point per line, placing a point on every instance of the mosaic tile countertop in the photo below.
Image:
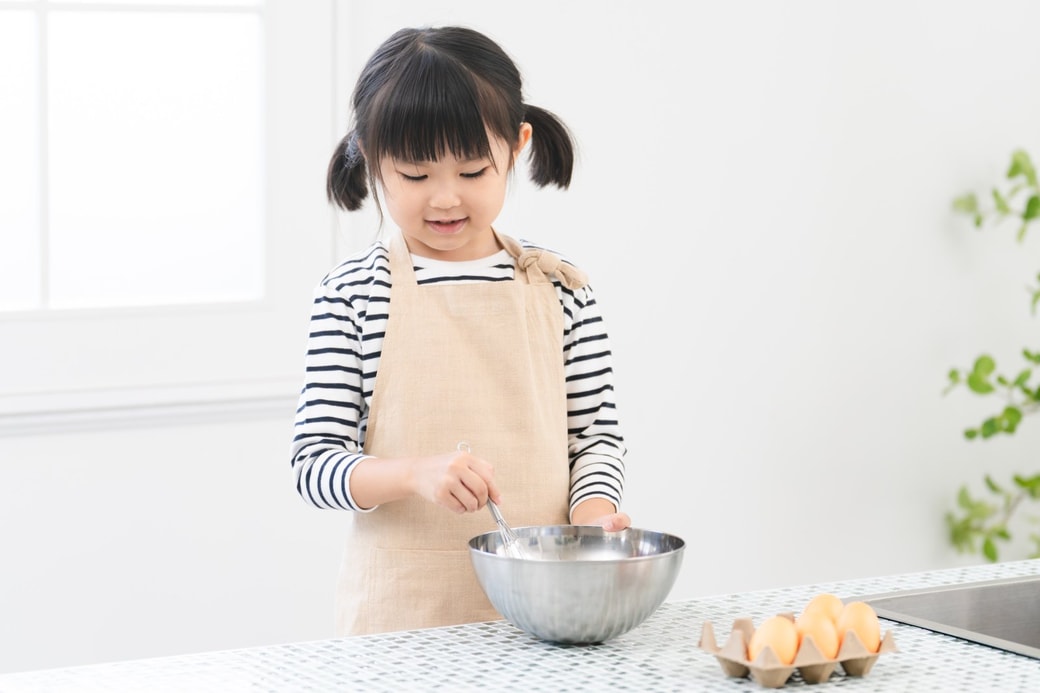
660	655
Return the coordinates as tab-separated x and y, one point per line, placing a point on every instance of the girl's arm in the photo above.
326	432
595	442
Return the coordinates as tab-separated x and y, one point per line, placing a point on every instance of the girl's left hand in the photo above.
598	511
615	522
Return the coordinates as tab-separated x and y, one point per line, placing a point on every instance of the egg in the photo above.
861	619
818	625
778	633
827	604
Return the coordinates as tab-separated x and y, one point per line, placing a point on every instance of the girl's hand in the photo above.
601	512
615	522
458	481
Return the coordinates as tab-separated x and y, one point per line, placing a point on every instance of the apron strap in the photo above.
539	264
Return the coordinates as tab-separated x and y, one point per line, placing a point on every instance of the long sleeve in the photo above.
330	419
595	443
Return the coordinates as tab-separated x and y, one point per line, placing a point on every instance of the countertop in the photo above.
660	655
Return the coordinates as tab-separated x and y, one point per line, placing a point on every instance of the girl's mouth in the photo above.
446	226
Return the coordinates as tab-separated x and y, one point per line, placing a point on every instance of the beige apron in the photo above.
480	363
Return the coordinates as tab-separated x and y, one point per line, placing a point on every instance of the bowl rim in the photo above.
596	530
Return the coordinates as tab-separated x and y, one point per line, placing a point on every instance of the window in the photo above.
163	218
150	160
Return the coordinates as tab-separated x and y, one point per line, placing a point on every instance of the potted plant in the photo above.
979	523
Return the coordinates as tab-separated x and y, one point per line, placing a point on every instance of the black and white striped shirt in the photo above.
347	324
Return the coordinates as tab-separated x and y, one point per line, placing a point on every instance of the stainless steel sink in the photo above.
1000	613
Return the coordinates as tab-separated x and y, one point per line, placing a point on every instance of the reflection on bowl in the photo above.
577	584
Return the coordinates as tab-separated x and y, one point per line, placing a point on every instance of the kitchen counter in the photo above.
660	655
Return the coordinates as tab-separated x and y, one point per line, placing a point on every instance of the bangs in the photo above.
435	107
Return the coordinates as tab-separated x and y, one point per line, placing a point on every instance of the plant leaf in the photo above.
964	498
1012	416
992	485
961	534
1022	165
979	384
1000	203
1032	210
967	204
984	365
989	550
990	427
1030	484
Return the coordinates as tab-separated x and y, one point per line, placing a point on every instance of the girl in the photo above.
448	332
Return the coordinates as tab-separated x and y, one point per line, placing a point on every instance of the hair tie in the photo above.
352	152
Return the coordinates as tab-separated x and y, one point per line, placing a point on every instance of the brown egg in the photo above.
817	625
860	618
827	604
780	634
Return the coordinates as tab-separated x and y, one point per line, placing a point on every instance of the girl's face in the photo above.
445	208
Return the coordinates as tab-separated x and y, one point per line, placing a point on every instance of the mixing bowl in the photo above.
577	584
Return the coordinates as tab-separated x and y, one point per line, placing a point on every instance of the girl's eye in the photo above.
475	174
414	179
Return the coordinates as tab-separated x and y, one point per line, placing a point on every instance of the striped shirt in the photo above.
347	324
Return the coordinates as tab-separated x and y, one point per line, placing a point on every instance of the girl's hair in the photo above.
428	91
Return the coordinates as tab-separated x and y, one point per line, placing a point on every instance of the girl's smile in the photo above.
446	226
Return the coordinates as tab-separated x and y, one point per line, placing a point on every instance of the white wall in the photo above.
154	541
776	178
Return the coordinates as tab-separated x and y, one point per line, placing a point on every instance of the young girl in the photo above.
449	332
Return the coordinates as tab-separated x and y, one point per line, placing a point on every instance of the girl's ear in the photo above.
523	137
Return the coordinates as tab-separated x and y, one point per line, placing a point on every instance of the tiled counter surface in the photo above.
660	655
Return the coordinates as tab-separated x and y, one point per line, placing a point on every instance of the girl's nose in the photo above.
444	197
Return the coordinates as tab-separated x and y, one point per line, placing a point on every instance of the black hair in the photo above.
429	91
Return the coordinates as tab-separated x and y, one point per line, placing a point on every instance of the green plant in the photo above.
980	523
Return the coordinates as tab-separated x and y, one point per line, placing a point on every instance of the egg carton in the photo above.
769	672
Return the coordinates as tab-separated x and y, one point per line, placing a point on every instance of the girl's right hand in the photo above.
458	481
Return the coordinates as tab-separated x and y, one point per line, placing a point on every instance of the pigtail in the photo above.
346	184
552	148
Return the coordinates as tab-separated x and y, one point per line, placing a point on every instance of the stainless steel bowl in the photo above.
577	584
